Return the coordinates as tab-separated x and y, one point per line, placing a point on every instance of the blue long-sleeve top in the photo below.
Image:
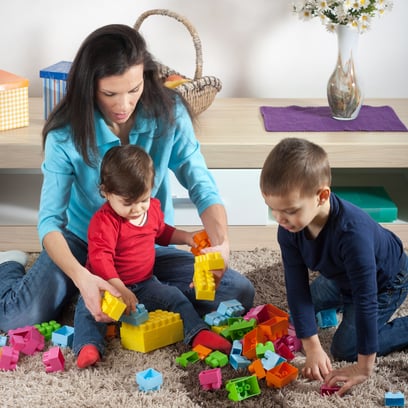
353	250
70	194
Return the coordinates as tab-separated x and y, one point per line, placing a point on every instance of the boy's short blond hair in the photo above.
295	164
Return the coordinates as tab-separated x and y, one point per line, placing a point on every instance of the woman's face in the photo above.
117	95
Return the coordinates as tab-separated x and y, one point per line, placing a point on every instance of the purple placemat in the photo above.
318	119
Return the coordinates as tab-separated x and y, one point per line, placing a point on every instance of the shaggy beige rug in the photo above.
112	383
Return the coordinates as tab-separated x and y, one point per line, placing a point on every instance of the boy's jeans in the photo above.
153	295
392	335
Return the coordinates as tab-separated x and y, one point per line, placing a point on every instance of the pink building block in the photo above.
27	339
8	358
210	379
53	360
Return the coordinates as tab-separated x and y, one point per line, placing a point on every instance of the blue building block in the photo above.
327	318
3	341
236	347
237	361
137	317
396	399
271	359
149	380
63	337
231	308
215	319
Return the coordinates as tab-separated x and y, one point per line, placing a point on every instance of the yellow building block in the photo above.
203	279
161	329
112	306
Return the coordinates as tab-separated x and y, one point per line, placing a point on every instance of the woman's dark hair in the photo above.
127	171
109	50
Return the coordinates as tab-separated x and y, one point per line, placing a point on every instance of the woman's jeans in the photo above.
392	335
40	294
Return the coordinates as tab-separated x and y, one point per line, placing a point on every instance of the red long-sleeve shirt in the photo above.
119	249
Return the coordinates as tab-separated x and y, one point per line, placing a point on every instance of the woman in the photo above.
114	96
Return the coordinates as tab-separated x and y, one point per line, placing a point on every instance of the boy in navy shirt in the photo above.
363	267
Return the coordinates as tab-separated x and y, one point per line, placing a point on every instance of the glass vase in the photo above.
344	93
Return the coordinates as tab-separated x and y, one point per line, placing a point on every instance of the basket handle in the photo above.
187	24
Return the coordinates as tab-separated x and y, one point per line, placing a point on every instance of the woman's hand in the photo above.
91	288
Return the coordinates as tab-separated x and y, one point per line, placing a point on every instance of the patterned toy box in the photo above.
13	101
54	80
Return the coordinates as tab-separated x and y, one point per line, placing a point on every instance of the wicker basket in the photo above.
200	91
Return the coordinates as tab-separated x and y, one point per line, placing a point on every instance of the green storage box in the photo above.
375	201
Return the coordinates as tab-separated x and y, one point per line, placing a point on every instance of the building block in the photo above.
204	284
9	358
27	340
210	379
262	348
215	319
271	360
238	362
236	347
202	241
283	350
47	328
63	337
250	341
256	368
112	306
149	380
3	341
265	312
327	318
231	308
13	101
239	329
275	327
161	329
53	360
326	390
190	357
242	388
202	351
54	80
395	399
281	375
137	317
217	359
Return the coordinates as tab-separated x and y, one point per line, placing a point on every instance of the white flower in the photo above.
354	13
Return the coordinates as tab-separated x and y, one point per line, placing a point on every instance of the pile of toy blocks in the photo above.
263	342
29	340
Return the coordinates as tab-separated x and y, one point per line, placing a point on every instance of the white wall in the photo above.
257	48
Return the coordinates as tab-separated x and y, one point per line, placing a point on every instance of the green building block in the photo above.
242	388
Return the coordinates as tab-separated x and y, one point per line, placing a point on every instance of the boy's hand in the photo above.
317	365
126	295
352	374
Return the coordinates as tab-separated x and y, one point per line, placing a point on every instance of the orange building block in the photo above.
202	241
275	328
281	375
161	329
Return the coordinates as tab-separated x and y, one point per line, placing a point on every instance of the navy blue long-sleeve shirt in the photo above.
353	250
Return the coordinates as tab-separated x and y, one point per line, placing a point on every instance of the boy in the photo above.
121	249
363	267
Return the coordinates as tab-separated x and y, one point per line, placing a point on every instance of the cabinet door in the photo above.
239	189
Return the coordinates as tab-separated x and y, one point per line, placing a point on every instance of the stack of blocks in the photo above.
54	80
203	278
13	101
